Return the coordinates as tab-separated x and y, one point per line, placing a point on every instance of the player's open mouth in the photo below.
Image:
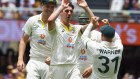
68	17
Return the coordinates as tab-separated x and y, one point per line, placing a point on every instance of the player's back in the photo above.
106	59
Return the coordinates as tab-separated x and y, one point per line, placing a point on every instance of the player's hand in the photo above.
105	21
21	66
82	3
47	61
65	3
95	20
87	72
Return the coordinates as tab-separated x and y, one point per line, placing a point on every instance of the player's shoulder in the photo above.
76	26
35	17
95	31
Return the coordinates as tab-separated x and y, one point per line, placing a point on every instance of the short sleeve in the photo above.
28	27
91	46
95	36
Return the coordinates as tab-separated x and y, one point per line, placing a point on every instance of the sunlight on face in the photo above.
67	13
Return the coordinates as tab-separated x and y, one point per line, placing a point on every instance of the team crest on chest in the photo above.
42	36
42	41
70	39
70	44
82	51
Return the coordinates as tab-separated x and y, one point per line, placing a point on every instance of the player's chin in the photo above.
68	18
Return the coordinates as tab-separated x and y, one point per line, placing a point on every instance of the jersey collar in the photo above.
40	19
67	29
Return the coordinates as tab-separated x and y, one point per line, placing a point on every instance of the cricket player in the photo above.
107	54
65	40
36	28
84	58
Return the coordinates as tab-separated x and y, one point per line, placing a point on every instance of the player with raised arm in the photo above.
65	40
96	36
107	54
84	58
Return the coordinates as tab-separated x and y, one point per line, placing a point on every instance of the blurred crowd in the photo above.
16	9
8	69
129	7
132	5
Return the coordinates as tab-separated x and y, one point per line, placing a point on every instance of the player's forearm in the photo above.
86	33
89	12
22	47
55	14
53	17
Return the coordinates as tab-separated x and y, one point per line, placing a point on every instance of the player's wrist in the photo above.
20	58
86	7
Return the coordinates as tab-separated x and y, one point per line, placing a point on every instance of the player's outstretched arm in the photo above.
84	37
94	21
54	15
83	4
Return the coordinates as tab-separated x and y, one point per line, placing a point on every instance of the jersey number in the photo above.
107	61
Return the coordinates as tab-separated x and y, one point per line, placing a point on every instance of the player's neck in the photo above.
65	23
109	40
45	18
106	39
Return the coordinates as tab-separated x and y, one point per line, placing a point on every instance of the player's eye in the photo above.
67	11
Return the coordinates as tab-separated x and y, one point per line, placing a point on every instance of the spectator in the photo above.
8	14
37	4
25	14
134	17
9	72
129	4
10	56
3	63
132	6
1	14
117	5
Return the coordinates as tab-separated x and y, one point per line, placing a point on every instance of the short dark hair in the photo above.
71	5
108	31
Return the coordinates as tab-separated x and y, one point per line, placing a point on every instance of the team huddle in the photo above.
61	50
